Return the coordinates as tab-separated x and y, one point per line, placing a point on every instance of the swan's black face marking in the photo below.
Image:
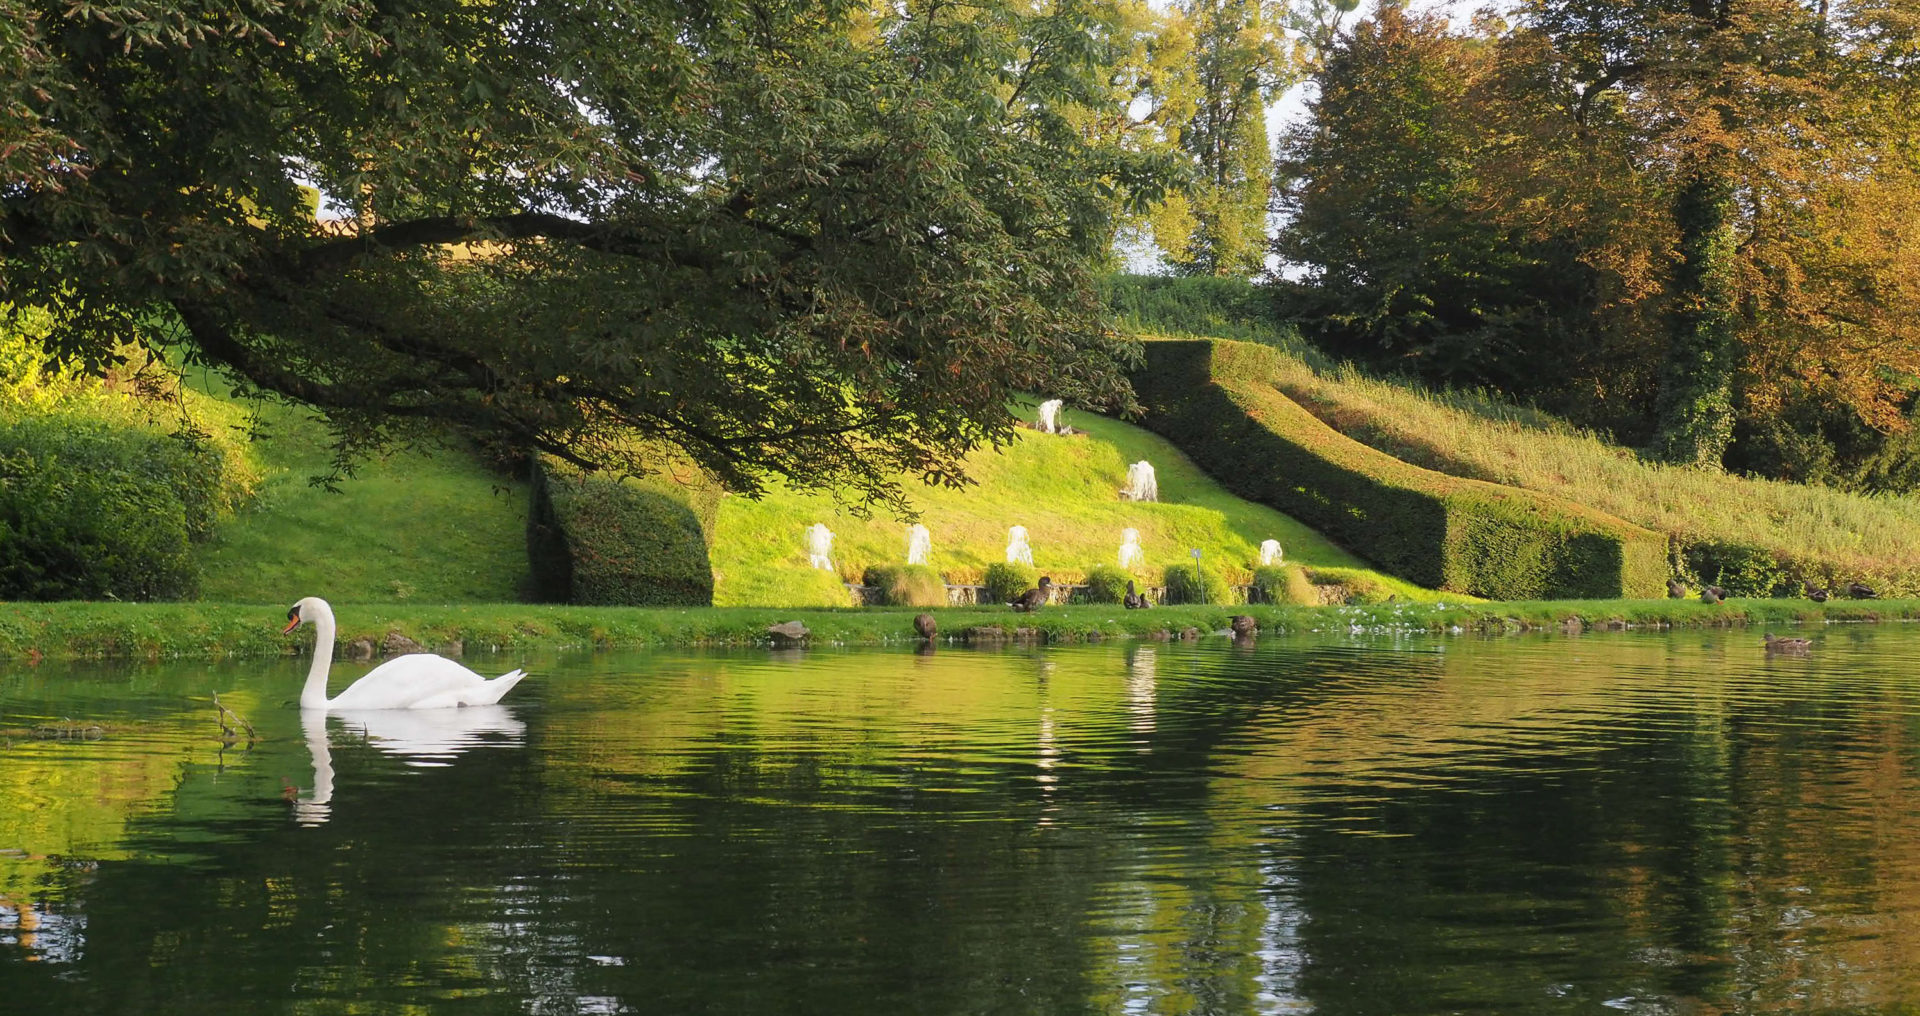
293	619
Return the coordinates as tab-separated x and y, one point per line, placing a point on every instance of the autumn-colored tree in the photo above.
1701	213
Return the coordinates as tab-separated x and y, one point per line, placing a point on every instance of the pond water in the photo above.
1622	822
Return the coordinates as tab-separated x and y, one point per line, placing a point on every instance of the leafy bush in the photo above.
1107	584
1215	400
1188	583
1740	570
597	540
93	509
1285	584
906	585
1005	581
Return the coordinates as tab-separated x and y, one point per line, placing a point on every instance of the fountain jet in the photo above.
919	542
819	547
1130	554
1141	486
1017	550
1269	553
1049	422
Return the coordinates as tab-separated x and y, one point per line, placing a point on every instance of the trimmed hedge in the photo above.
906	585
1213	398
96	510
600	541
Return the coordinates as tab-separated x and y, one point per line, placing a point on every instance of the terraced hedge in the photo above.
602	541
1213	398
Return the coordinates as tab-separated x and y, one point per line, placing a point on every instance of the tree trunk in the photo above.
1696	386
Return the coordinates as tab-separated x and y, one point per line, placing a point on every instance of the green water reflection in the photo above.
1615	823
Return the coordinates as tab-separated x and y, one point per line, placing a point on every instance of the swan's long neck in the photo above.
314	695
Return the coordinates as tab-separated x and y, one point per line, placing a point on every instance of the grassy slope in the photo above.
1826	532
440	529
412	527
1065	490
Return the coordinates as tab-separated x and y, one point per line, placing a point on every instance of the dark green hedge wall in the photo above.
1214	399
601	541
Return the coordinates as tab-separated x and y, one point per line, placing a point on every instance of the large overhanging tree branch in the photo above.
797	239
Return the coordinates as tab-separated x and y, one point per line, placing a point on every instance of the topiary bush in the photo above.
600	541
1215	399
1188	583
1107	584
906	585
1005	581
1740	570
92	509
1284	584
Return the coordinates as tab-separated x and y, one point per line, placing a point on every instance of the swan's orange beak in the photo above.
293	621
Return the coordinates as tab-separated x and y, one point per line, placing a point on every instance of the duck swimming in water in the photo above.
1776	644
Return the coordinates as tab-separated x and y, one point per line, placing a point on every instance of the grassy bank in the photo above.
33	631
1828	535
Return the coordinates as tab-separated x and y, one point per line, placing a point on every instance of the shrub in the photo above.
1740	570
906	585
92	509
601	541
1215	400
1005	581
1188	583
1285	584
1107	584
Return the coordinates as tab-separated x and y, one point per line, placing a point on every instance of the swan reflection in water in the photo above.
419	737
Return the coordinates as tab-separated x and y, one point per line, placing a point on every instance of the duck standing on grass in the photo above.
1133	600
1033	599
1814	593
1676	591
1861	591
1710	595
926	626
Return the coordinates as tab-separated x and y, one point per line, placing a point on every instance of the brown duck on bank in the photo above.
1814	593
1860	591
926	626
1135	601
1033	599
1711	594
1243	626
1776	644
1676	591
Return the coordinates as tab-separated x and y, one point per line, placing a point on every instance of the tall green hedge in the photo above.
601	541
1215	400
93	509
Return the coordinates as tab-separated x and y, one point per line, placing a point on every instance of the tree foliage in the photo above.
1685	221
809	239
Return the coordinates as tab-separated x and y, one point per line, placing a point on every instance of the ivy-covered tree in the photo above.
810	239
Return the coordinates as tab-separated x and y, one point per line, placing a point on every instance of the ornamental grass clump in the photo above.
906	585
1005	581
1285	584
1188	583
1107	584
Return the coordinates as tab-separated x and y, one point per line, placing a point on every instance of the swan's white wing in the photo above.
408	682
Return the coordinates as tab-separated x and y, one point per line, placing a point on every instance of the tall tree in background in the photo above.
803	239
1240	61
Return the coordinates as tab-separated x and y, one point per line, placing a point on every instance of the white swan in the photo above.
413	681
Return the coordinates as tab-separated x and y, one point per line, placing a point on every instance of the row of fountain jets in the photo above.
1141	486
